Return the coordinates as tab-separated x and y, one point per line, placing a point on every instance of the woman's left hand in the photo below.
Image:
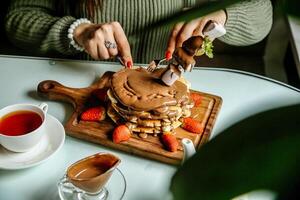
184	30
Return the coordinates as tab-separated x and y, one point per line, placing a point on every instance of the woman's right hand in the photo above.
92	37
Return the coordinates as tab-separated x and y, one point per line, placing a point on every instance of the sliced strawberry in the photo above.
121	133
196	97
93	114
170	142
100	94
192	125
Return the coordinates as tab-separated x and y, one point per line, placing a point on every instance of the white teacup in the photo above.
25	141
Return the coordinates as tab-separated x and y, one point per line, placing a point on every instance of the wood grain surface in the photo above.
100	132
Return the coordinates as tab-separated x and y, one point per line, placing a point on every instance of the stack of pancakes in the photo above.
140	100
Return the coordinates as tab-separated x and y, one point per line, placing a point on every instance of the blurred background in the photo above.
275	57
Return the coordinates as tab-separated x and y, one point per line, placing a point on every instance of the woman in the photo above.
56	27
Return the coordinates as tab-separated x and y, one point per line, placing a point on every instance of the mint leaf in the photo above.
207	47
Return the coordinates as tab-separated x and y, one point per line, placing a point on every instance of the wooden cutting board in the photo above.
100	132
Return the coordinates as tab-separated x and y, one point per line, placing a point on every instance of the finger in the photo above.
109	38
172	38
122	43
197	31
102	52
90	47
201	26
186	32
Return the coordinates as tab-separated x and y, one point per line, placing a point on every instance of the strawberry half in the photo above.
170	141
93	114
197	98
192	125
121	133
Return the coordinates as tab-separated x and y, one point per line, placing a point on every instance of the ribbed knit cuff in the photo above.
57	38
248	22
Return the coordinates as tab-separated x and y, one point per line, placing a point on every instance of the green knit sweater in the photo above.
34	25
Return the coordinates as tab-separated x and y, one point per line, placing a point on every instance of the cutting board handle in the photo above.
56	91
76	96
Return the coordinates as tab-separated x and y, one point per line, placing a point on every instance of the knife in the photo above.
211	31
183	57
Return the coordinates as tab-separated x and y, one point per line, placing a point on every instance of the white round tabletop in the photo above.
243	94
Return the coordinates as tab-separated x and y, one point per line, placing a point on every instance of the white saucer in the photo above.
51	142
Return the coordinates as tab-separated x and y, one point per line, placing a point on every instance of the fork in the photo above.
154	64
120	60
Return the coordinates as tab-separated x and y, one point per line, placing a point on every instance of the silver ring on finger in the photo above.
110	45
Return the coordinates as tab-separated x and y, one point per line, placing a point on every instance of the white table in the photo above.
243	95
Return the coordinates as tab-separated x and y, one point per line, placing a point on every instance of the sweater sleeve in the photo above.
33	26
248	22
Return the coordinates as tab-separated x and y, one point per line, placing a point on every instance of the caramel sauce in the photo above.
91	169
143	91
91	173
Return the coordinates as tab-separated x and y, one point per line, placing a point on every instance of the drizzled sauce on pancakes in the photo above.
141	90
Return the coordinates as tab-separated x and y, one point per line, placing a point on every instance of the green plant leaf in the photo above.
260	152
290	7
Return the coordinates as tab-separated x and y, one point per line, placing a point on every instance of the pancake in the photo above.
140	100
141	90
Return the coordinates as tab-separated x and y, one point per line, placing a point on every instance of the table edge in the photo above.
140	64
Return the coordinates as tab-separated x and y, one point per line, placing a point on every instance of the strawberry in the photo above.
121	133
93	114
170	141
196	97
100	94
192	125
